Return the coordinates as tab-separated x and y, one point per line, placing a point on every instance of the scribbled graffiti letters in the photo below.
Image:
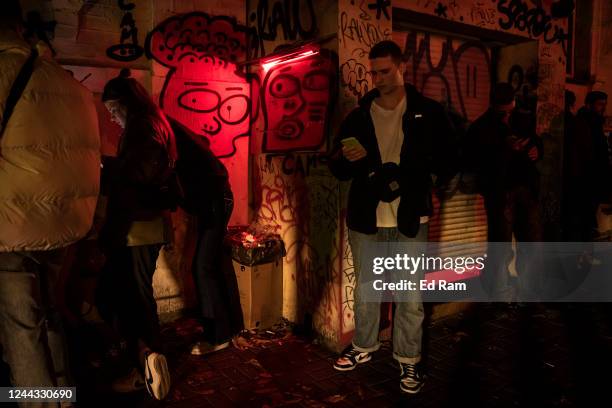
356	77
517	14
289	15
363	32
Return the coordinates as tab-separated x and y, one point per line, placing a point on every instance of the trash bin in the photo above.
257	259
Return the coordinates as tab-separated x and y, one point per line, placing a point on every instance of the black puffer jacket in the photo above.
429	148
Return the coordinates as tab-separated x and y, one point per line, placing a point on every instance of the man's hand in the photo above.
354	153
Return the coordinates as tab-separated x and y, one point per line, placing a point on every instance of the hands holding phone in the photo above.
352	149
521	145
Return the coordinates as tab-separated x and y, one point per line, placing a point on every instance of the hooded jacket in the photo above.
49	155
429	147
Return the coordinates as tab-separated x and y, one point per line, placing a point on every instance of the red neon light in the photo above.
287	58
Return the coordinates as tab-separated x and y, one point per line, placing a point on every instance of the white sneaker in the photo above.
202	347
157	376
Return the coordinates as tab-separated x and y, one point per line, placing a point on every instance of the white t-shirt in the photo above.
390	137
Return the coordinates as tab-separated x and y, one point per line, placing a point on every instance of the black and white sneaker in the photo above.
350	358
411	378
157	376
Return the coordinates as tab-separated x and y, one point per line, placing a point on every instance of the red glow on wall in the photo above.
290	58
204	89
297	93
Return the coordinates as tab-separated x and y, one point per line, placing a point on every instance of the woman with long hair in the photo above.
137	225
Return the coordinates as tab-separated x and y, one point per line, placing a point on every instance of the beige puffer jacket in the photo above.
49	155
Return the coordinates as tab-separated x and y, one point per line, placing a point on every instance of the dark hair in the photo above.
570	99
502	94
11	16
386	48
595	96
131	94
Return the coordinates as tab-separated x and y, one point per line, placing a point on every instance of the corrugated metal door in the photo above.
457	72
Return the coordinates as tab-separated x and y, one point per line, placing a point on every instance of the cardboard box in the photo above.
261	293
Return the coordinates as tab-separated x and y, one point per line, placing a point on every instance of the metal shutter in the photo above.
449	68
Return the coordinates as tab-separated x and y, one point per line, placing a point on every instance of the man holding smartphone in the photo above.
388	147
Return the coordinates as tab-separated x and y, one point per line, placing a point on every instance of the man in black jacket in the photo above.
502	148
590	126
388	147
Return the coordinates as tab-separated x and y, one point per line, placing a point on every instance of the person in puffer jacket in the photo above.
49	185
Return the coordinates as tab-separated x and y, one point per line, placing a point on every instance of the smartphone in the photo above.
350	142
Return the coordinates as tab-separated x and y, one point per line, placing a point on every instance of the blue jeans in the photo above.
408	318
31	330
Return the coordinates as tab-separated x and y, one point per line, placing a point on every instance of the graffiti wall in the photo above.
206	90
296	99
93	33
278	22
361	24
545	22
299	200
448	69
293	191
533	19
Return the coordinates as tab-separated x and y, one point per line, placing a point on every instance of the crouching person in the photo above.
137	225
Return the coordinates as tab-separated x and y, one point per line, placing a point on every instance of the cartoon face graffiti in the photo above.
217	109
297	96
204	89
215	103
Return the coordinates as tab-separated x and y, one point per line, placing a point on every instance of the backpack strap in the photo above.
17	89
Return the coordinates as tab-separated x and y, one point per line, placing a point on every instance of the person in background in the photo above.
49	186
137	183
579	204
208	196
502	148
596	159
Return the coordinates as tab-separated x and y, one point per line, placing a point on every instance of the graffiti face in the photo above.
204	89
215	109
296	100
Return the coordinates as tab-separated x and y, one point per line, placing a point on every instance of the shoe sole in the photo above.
158	384
416	391
349	368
